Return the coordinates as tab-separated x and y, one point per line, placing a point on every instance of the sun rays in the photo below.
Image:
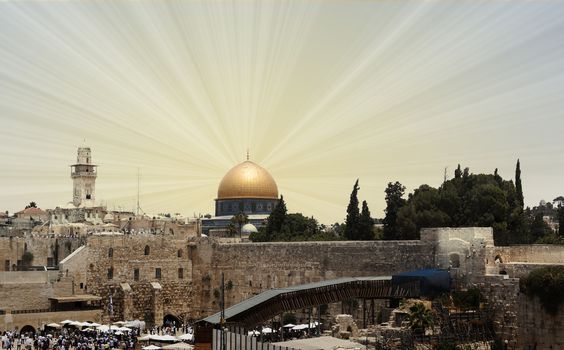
321	92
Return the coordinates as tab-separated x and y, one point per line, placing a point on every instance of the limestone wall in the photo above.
46	250
39	320
255	267
75	267
138	291
534	253
538	329
31	295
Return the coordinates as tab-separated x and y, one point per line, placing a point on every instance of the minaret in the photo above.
83	175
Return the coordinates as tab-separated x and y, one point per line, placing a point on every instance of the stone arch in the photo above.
147	250
27	329
171	320
498	259
454	260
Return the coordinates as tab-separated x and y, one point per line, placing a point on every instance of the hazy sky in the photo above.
321	92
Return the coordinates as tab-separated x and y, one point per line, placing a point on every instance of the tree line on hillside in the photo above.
468	200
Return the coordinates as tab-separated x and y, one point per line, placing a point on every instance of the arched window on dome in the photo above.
147	250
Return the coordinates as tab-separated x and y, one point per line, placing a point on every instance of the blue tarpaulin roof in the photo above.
432	281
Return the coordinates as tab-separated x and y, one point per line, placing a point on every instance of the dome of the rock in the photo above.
247	180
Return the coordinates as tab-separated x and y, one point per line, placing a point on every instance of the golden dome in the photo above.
247	180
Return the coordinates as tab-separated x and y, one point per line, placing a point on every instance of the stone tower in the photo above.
83	175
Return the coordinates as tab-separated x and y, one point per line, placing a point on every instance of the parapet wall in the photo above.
46	250
533	253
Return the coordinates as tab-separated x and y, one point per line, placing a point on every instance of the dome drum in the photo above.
248	206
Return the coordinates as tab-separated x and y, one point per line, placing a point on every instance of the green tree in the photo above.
366	224
539	228
239	220
420	318
394	202
518	185
277	217
560	214
231	229
353	215
31	205
458	172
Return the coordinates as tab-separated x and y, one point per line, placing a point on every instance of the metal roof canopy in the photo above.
75	298
273	302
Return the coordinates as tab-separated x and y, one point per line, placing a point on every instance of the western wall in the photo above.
187	283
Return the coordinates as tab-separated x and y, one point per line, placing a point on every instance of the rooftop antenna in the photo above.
138	175
445	178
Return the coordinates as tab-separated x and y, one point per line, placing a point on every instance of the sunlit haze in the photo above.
320	93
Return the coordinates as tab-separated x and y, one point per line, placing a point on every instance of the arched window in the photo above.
179	253
454	260
147	250
111	253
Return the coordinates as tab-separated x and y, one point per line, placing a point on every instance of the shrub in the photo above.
469	299
548	285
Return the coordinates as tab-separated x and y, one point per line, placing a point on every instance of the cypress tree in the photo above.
277	217
458	173
365	232
518	186
394	202
560	214
353	215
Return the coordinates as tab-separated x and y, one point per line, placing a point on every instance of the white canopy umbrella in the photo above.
54	325
94	324
123	329
103	328
253	333
267	330
179	346
119	323
151	347
135	324
144	338
66	321
163	338
289	325
187	336
300	327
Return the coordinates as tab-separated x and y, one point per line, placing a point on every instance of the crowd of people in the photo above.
69	338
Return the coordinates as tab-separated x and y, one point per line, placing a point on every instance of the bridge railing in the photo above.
235	341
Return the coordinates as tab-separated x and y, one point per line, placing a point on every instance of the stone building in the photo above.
83	174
